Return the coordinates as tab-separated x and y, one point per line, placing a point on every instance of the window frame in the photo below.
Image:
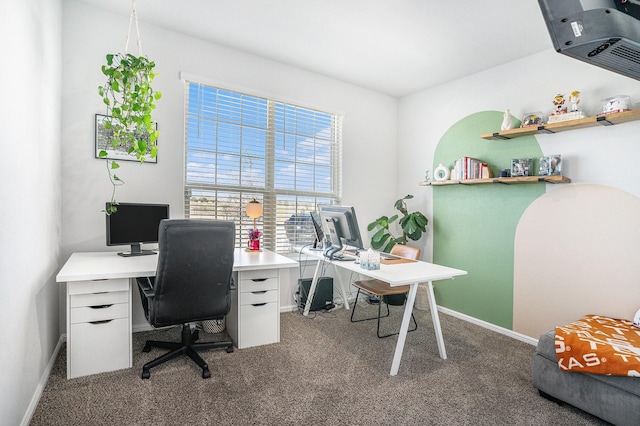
291	205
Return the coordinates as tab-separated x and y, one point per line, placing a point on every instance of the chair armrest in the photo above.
146	287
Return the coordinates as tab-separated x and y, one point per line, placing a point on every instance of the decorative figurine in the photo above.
574	98
558	103
615	104
560	112
532	119
507	123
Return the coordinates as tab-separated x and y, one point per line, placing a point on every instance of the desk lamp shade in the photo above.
254	210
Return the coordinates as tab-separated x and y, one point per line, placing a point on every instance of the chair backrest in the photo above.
404	250
194	273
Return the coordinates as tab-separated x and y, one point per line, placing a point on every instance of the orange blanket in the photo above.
599	345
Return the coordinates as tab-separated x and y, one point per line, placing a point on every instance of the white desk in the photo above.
99	305
411	273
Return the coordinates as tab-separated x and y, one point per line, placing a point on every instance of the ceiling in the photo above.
395	47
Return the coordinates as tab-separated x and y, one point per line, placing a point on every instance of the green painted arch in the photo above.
474	225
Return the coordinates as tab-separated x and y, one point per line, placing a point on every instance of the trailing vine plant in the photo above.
130	100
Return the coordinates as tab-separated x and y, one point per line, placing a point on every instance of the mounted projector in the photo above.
604	33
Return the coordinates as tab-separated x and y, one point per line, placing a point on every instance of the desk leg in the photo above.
342	288
312	289
395	365
436	320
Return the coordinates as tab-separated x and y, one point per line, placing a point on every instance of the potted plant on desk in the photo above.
413	225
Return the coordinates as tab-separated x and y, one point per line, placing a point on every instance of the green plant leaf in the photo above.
129	98
377	244
390	245
381	235
381	221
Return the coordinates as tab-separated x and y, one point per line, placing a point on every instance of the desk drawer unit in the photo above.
255	315
98	326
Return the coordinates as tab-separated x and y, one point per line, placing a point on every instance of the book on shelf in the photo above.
471	168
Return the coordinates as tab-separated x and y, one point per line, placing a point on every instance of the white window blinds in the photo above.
240	147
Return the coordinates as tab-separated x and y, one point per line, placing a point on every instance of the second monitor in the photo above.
340	227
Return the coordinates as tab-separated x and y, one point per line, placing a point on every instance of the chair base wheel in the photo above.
187	346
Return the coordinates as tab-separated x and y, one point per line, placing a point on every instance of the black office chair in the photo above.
192	283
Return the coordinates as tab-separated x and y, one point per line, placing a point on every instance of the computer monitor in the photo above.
340	227
317	229
133	224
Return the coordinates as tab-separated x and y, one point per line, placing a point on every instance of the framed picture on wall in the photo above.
119	153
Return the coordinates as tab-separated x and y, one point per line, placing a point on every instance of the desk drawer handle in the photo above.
257	280
258	304
259	292
99	322
101	306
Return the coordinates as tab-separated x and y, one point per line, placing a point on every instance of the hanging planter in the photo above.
130	100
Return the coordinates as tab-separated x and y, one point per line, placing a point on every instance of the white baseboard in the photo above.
464	317
141	327
488	325
44	379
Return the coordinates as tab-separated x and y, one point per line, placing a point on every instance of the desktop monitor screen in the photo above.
133	224
340	225
317	229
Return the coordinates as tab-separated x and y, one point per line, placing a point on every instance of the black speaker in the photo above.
323	296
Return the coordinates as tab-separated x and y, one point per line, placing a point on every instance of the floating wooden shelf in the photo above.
502	180
601	120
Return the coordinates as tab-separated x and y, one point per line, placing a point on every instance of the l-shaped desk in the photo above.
99	286
396	274
99	289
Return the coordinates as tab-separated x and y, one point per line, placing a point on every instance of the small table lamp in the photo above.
254	210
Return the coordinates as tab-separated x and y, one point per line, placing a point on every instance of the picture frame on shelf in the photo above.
522	167
550	165
118	153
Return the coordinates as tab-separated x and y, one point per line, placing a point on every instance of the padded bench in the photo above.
615	399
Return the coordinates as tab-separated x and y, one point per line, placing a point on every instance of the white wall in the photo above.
602	155
30	198
88	34
523	86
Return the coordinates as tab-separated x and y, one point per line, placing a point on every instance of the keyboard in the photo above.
383	255
344	257
389	256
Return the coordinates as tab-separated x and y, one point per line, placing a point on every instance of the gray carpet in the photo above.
325	370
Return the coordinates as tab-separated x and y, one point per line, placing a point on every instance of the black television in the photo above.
134	224
340	227
604	33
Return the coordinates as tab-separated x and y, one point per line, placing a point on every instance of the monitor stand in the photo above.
136	251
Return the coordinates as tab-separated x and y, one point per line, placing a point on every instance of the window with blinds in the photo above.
241	147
